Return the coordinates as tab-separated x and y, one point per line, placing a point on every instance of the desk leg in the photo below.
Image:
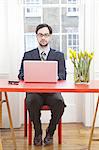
93	125
1	148
0	109
10	119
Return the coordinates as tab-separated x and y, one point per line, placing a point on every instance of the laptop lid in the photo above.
40	71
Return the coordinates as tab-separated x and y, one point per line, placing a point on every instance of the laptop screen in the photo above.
40	71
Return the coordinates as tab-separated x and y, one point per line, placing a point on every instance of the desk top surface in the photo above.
60	86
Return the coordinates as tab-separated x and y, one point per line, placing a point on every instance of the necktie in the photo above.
43	56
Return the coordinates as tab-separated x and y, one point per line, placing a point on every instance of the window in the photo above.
73	8
31	1
72	11
73	41
30	41
32	11
72	1
61	15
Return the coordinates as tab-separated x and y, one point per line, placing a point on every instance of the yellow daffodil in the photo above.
81	61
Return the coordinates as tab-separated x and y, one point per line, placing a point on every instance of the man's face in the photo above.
43	36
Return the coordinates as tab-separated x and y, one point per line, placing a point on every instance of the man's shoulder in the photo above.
57	52
31	51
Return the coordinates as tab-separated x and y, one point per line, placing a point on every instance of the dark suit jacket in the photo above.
53	55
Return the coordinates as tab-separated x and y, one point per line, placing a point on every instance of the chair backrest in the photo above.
45	107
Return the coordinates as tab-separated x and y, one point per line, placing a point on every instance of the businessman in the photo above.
35	101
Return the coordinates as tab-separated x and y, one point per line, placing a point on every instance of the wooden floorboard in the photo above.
74	137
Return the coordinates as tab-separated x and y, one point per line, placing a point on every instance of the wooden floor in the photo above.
75	137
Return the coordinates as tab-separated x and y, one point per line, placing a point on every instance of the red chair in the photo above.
45	107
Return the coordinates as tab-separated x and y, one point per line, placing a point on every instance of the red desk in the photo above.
60	86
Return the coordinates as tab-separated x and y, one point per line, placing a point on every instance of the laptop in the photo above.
40	71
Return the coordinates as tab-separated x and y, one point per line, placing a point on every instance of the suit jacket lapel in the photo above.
51	54
36	54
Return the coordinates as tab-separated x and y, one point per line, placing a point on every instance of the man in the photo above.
34	101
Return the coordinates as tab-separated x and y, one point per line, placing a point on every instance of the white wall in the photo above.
11	48
88	45
91	43
3	38
96	48
16	48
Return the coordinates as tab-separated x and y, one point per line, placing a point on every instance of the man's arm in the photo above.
27	56
61	67
21	71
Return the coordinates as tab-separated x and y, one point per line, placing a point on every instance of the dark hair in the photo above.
42	26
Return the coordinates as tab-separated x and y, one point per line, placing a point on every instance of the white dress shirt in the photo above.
45	50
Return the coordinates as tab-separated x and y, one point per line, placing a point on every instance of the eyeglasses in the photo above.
46	35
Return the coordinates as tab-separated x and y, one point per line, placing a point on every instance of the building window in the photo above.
32	1
73	41
72	1
30	41
72	11
32	11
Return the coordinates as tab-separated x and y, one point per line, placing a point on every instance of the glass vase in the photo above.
81	75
